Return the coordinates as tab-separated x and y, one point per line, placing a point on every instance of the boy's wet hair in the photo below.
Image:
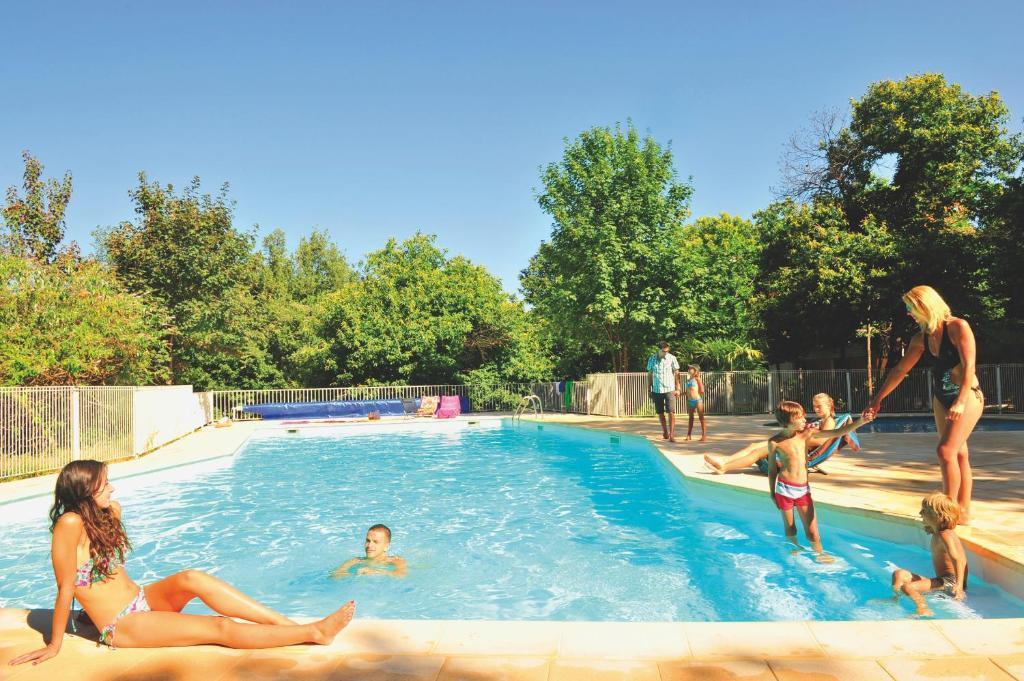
693	366
383	528
787	411
942	507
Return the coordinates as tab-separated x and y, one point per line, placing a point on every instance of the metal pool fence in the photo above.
482	398
43	428
758	392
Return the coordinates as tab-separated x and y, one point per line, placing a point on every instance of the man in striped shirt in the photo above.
663	368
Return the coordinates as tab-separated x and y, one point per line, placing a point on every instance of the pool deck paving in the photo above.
885	480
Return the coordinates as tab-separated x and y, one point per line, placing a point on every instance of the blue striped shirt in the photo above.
663	373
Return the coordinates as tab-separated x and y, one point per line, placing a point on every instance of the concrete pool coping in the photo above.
393	649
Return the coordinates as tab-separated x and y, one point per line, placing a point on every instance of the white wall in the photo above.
164	413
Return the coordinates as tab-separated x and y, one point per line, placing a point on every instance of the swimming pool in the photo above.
496	521
926	424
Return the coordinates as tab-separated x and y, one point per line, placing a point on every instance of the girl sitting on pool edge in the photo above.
89	547
376	561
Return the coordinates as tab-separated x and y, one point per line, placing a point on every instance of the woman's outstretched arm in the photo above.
897	373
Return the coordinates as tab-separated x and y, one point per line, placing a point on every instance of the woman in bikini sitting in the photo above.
957	400
88	549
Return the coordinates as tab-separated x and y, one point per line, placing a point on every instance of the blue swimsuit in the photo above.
692	403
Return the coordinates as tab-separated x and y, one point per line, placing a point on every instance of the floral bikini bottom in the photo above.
137	604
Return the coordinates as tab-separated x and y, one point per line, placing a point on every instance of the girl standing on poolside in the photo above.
957	399
88	549
694	393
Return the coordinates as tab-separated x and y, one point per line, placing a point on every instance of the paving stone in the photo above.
388	668
495	669
604	670
946	668
721	670
828	670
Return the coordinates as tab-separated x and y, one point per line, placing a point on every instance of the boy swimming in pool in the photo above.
787	471
940	516
376	561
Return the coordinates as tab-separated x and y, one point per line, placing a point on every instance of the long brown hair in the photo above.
76	485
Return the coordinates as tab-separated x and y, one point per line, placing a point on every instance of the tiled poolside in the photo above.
886	479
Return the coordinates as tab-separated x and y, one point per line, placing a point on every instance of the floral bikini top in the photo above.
88	574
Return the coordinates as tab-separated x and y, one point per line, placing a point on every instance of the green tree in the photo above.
951	158
606	280
292	291
819	281
716	268
185	252
724	355
72	322
34	223
417	316
1004	237
320	267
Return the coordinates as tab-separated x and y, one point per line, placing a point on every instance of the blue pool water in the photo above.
496	522
926	424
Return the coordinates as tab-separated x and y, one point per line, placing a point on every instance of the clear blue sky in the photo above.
372	120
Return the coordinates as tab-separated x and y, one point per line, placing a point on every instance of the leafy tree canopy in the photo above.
184	251
417	316
819	281
606	279
34	222
72	322
717	266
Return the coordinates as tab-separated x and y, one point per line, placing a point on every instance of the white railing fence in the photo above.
44	428
497	397
758	392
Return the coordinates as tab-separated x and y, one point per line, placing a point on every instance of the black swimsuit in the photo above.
943	387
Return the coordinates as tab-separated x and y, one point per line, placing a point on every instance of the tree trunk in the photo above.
871	384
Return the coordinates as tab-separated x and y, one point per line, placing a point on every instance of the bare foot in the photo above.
688	438
825	558
671	438
331	626
923	612
703	438
711	463
664	436
965	517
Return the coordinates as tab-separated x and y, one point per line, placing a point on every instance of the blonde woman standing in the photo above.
958	401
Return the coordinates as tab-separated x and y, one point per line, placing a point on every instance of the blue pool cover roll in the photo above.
321	410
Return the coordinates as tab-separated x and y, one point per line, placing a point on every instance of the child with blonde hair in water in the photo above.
940	516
